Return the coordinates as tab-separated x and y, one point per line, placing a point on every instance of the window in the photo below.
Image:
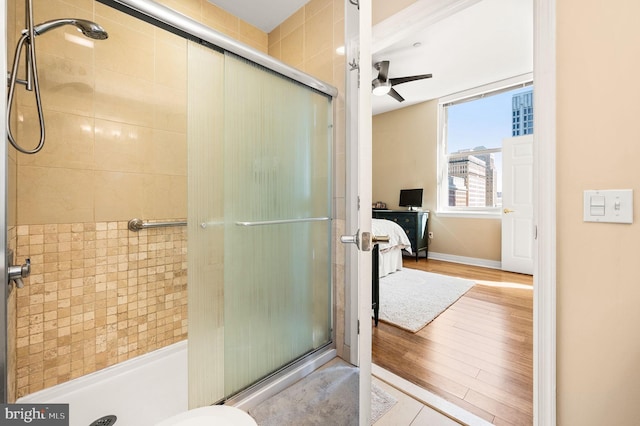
472	127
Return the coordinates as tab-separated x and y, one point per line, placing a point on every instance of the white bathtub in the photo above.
140	392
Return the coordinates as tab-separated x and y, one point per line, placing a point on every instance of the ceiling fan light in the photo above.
381	88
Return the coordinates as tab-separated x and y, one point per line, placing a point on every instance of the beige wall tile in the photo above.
338	10
124	295
292	23
338	35
171	65
275	50
191	8
136	60
258	38
68	143
122	195
105	16
167	153
12	192
125	99
293	48
49	195
54	9
275	35
81	4
121	147
316	36
165	196
65	85
316	6
219	19
260	45
321	65
170	109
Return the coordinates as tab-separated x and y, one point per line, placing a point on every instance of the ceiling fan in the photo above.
382	85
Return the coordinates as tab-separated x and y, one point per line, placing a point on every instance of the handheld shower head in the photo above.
88	28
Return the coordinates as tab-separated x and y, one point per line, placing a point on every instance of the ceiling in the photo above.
265	15
463	43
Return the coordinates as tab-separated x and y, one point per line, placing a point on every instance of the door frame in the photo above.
544	289
544	193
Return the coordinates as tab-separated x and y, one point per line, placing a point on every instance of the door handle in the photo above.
17	272
380	239
507	211
365	240
362	240
350	239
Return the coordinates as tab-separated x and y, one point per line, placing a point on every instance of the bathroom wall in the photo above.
116	149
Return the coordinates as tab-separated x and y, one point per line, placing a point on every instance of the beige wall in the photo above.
598	284
382	9
404	156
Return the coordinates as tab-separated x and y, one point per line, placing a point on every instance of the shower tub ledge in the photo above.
141	391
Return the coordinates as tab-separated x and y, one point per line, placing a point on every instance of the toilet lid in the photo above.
218	415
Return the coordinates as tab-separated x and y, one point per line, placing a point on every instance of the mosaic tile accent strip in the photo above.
98	294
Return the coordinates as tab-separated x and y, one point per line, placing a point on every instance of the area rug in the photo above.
327	396
381	402
411	299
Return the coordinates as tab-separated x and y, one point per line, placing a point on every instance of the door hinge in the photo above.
358	332
535	232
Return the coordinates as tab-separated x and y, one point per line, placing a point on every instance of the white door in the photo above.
358	198
517	204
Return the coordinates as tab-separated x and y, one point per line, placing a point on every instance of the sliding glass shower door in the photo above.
277	227
260	208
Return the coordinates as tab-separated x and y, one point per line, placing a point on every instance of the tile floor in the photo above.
410	412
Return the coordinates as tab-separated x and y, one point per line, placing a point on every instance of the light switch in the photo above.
597	205
611	205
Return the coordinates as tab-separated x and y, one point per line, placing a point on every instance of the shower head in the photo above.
88	28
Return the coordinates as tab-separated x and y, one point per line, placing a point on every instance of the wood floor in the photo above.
477	354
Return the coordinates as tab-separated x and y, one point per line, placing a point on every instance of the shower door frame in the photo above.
181	25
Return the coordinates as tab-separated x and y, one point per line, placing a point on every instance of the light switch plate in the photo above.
617	206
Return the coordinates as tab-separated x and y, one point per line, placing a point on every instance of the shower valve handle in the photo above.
17	273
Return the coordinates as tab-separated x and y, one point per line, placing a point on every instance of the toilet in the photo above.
218	415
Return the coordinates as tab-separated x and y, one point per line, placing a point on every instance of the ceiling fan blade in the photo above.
401	80
395	95
383	70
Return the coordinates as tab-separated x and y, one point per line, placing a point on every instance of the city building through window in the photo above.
472	128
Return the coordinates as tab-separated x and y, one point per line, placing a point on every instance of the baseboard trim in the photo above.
486	263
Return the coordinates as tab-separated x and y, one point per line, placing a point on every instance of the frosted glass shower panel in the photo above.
277	207
206	233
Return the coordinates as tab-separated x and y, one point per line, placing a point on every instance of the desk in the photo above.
414	223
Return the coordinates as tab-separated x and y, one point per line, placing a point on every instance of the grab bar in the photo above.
279	222
137	224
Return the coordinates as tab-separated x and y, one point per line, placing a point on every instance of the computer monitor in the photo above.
411	198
